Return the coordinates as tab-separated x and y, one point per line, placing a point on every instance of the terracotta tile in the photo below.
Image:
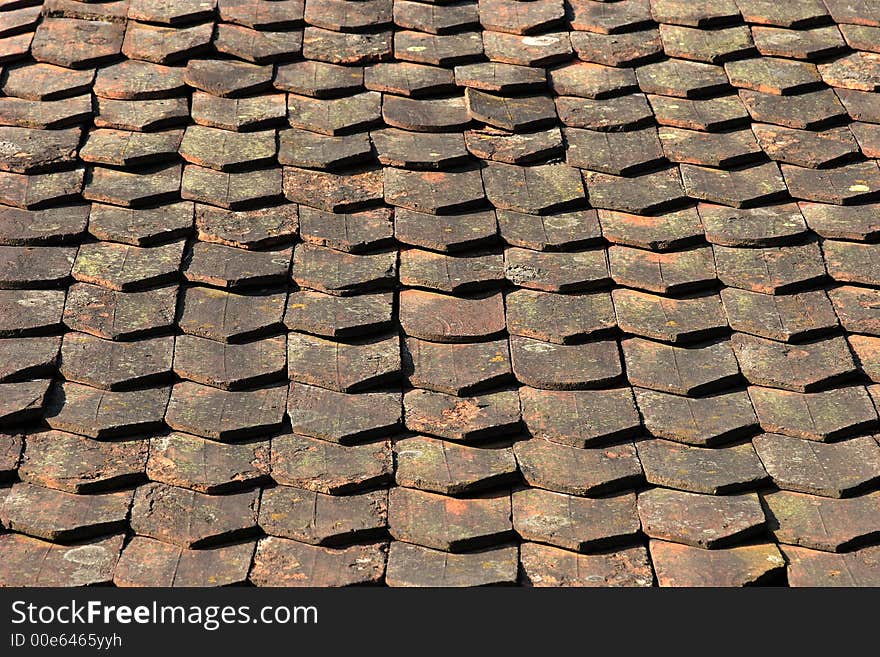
710	470
282	562
619	113
467	419
433	192
544	50
124	148
557	271
867	353
442	318
338	317
857	12
648	193
76	43
815	43
663	273
190	519
224	150
696	370
165	45
123	267
589	80
444	467
282	14
858	308
450	273
19	227
557	232
230	366
809	111
336	115
550	366
683	565
814	568
508	113
259	47
233	191
577	471
771	225
46	82
333	192
456	369
704	14
357	366
725	150
413	565
142	115
710	46
240	114
705	521
751	186
859	70
439	115
444	50
129	189
617	153
340	273
28	312
495	76
407	79
135	80
450	233
342	17
340	417
849	262
671	320
579	418
769	12
39	190
514	148
627	49
115	365
230	267
435	19
559	318
575	523
548	566
682	79
228	317
24	267
770	270
540	16
148	562
49	114
171	13
419	150
120	315
786	318
861	37
843	185
446	523
804	148
247	229
611	18
346	48
26	358
227	78
29	151
706	114
32	562
326	467
22	402
868	137
665	232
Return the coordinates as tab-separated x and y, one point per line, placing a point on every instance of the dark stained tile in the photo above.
101	414
444	467
227	78
11	446
805	111
20	227
356	366
228	317
498	77
29	312
135	80
240	114
319	519
257	46
340	16
333	192
419	115
705	521
119	315
514	148
770	270
166	13
579	418
517	114
444	318
447	523
786	317
868	137
618	113
340	417
206	466
346	48
419	150
589	80
123	267
413	565
133	189
225	150
456	369
769	12
190	519
343	274
230	366
550	366
148	562
222	415
26	358
764	226
319	79
683	565
557	232
230	267
62	517
23	267
449	233
695	370
664	273
804	367
671	320
815	568
467	419
648	193
710	470
33	562
627	49
443	50
22	402
141	115
338	317
451	273
739	188
335	115
617	153
39	190
821	416
281	14
433	192
543	50
124	148
849	262
664	232
499	16
843	185
327	467
859	104
857	12
830	470
575	523
701	421
115	365
48	114
76	43
578	471
533	190
710	46
283	562
67	462
707	114
543	565
163	44
822	523
247	229
559	318
727	149
29	151
611	18
682	78
435	19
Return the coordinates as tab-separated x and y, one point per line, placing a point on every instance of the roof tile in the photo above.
683	565
786	317
467	419
701	421
414	565
456	369
230	366
338	317
115	365
671	320
148	562
543	565
32	562
120	315
282	562
815	568
340	417
696	370
559	318
102	414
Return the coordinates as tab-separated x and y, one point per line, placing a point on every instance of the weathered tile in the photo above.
806	111
241	114
257	46
858	308
857	12
33	562
228	317
233	191
769	225
62	517
26	150
433	192
710	470
858	70
447	523
76	43
125	148
444	50
544	50
227	78
867	353
665	232
719	149
868	137
347	48
514	148
222	415
814	568
125	268
206	466
443	467
851	263
414	565
579	418
517	114
327	467
115	365
230	366
822	523
557	272
171	13
190	519
279	15
343	274
467	419
560	231
28	312
448	233
456	369
786	317
451	273
576	523
647	193
22	402
148	562
747	565
590	80
559	318
746	187
71	463
497	77
682	79
319	79
340	417
435	115
338	317
769	12
707	114
19	227
408	79
46	82
247	229
444	318
358	366
578	471
136	80
133	189
119	315
282	562
617	153
141	115
230	267
696	370
225	150
676	272
45	114
710	46
333	192
23	267
830	470
625	49
772	269
101	414
419	150
677	321
859	104
543	565
771	75
320	519
25	358
310	150
821	416
618	113
550	366
39	190
165	45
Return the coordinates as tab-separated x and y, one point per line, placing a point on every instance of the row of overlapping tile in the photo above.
368	199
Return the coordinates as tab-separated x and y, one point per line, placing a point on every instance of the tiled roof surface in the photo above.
340	292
